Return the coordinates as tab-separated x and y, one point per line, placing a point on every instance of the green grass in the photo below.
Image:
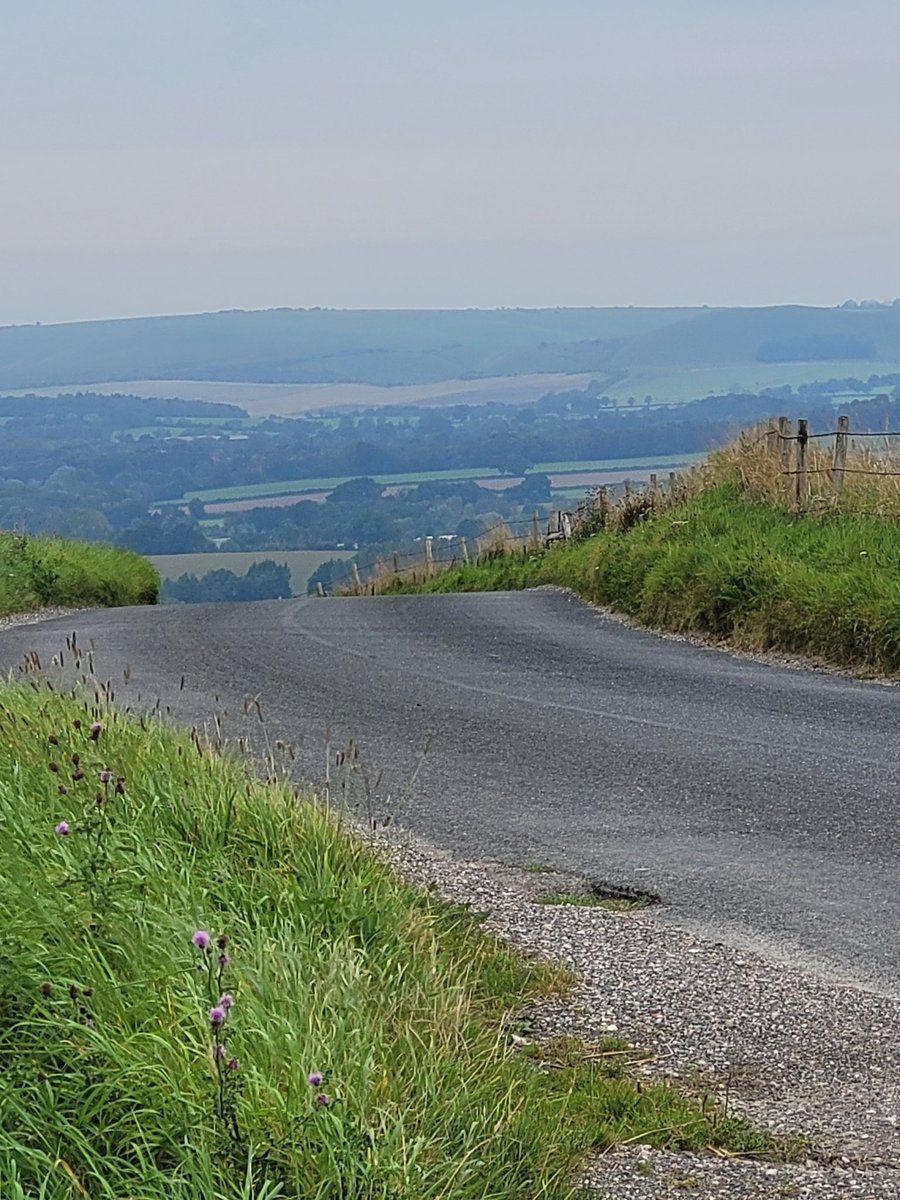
591	900
110	1086
39	571
753	574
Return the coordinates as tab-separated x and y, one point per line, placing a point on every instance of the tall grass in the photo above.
39	571
157	904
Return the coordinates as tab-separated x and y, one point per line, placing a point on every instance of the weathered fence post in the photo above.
464	547
784	435
604	505
396	558
654	486
565	522
802	493
626	487
840	457
357	582
535	530
320	590
429	556
672	478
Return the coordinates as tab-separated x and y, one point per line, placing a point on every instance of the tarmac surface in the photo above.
758	802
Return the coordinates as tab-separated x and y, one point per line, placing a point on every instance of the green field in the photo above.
302	563
289	487
668	386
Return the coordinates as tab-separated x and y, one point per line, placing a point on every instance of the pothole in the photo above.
613	896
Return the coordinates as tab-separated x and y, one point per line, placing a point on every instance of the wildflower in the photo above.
46	989
201	939
105	776
226	1000
54	767
314	1078
62	828
224	961
73	992
216	1016
76	724
322	1099
88	992
76	759
222	941
76	775
234	1064
120	786
96	730
62	789
219	1050
53	739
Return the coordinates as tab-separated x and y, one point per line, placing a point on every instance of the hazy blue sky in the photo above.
180	155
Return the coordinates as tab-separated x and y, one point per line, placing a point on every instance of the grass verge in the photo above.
738	568
39	571
210	989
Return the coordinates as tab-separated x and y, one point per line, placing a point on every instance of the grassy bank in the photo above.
732	560
39	571
208	989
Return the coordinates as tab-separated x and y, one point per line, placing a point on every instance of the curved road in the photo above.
759	802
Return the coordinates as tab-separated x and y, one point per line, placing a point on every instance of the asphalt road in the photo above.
759	802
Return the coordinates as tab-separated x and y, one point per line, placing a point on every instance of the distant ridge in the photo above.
394	347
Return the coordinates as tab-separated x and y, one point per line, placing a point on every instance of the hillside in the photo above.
397	347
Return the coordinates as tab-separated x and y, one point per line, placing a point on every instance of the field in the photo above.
300	487
668	386
302	563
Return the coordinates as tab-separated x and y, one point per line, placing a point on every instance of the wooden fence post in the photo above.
535	530
784	434
464	547
320	590
357	582
626	487
802	493
396	558
840	457
565	522
604	505
772	438
654	486
429	556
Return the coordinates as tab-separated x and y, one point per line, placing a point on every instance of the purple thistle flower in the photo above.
105	776
224	961
234	1064
226	1000
96	730
322	1099
201	939
62	828
314	1078
216	1016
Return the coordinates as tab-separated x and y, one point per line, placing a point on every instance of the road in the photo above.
759	802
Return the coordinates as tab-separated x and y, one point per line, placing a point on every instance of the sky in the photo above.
161	156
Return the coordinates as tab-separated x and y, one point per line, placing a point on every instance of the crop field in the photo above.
302	563
668	386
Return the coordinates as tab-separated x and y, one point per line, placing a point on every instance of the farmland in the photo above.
302	563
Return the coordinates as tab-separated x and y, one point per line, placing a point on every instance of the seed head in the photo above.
222	941
54	767
105	776
224	960
96	730
46	989
76	775
53	739
322	1099
234	1064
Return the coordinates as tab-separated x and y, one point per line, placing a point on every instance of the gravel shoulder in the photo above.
795	1053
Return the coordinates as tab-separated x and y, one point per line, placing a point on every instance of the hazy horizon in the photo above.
197	158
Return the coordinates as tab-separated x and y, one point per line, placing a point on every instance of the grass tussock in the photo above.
210	989
730	555
36	572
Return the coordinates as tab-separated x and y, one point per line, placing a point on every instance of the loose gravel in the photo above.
796	1054
34	618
